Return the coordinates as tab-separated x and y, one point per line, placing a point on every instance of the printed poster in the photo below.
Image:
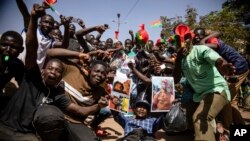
162	93
120	94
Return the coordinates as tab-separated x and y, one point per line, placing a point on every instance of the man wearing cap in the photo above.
140	127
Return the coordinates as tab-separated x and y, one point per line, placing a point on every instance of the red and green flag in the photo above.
156	23
141	35
50	3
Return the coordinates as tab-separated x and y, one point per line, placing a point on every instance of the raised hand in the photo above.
66	20
131	65
37	10
131	32
182	52
101	28
81	23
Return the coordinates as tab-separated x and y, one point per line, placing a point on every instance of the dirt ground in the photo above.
117	132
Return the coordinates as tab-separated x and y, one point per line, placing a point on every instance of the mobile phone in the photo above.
163	66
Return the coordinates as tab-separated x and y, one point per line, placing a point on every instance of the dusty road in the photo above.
117	132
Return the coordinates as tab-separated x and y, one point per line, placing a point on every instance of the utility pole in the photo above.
118	25
118	16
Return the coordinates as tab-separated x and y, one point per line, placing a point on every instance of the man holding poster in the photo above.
120	94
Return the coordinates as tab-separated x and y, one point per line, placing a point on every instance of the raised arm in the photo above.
177	73
24	11
132	37
139	74
99	35
65	43
80	33
214	43
65	53
31	37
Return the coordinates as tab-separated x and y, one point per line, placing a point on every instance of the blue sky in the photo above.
99	12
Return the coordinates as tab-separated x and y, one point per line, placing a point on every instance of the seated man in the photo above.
83	88
30	109
11	44
142	127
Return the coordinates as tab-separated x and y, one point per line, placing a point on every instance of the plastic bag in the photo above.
175	120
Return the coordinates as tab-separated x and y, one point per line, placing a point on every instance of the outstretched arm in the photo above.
132	37
161	58
80	33
224	67
139	74
31	37
65	43
65	53
214	43
99	35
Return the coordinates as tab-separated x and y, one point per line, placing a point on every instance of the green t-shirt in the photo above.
132	53
200	70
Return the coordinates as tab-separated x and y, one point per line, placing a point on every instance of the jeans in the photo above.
9	134
49	123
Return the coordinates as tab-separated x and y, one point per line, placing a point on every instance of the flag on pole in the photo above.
156	23
50	3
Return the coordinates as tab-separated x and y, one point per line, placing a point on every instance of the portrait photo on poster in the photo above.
163	94
120	94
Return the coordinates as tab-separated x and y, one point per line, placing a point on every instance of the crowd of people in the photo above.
61	80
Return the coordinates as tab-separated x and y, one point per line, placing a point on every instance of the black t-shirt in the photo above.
15	68
18	113
74	45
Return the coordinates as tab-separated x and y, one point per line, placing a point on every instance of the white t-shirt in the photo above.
44	43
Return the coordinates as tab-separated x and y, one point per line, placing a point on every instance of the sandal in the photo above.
223	133
101	133
224	137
